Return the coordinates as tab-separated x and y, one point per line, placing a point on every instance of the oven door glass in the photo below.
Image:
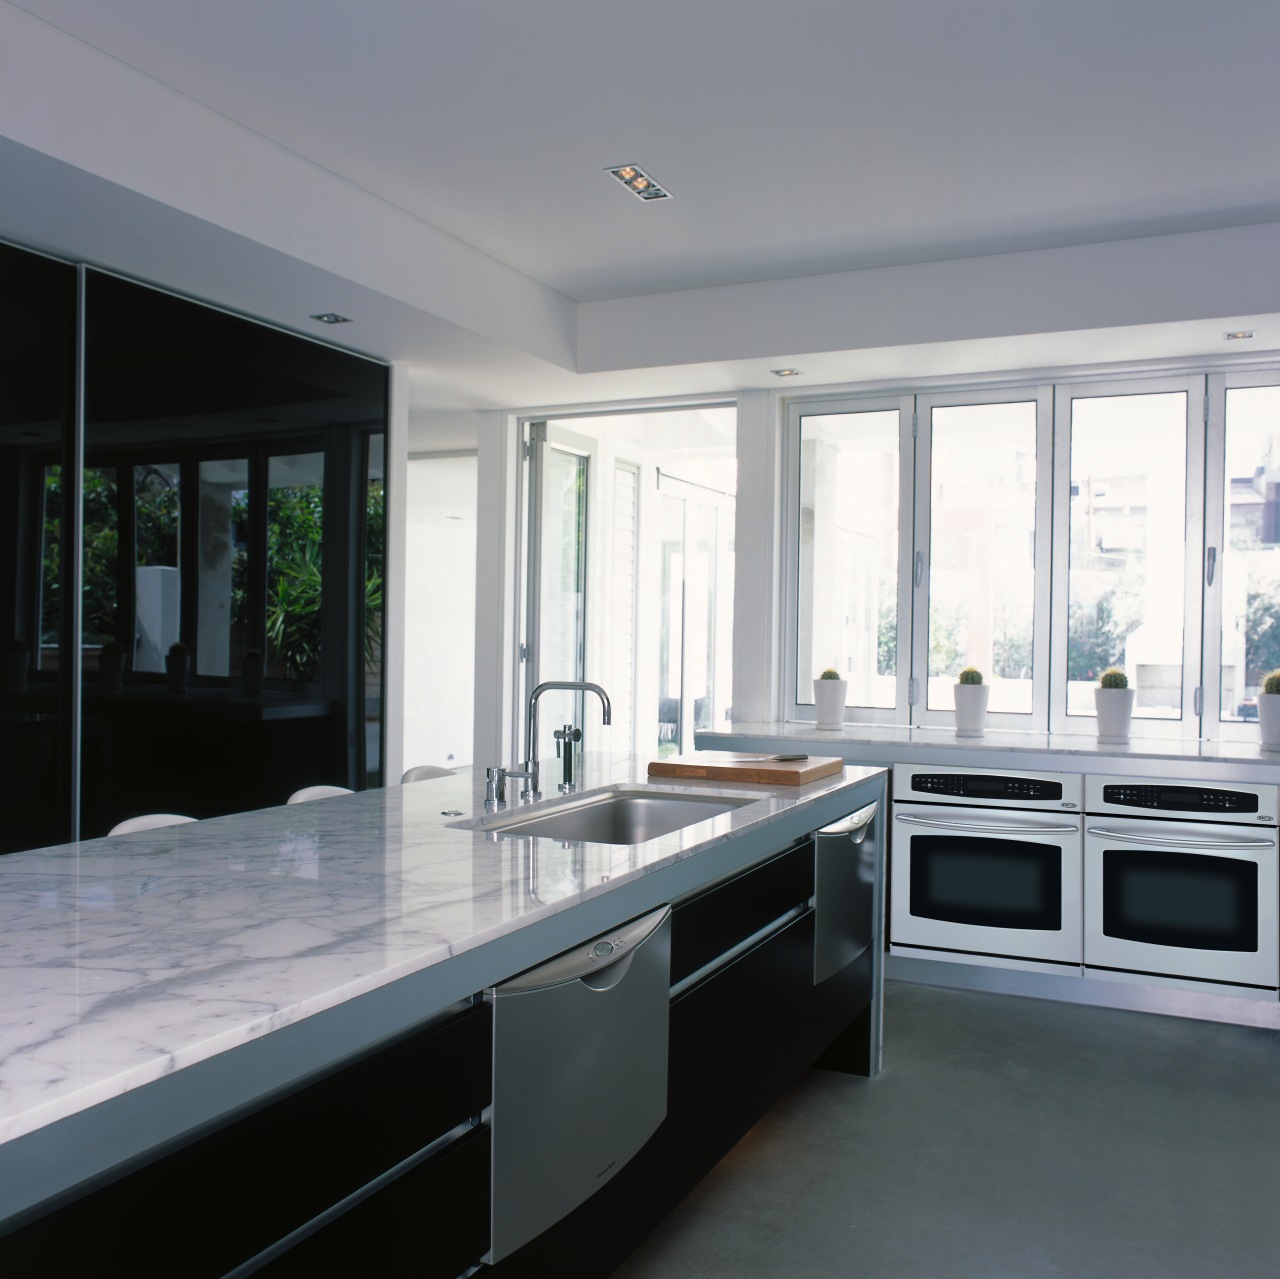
1005	883
1180	899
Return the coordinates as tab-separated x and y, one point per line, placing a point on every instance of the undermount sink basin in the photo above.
616	817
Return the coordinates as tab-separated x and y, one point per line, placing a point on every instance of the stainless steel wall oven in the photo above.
1181	881
986	863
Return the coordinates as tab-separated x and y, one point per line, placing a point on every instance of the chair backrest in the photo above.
316	792
423	771
148	821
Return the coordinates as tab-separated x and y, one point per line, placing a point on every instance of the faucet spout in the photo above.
531	723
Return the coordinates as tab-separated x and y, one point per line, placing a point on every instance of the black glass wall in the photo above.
37	387
222	656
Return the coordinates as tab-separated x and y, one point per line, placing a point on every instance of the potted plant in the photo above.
828	699
971	696
111	666
1269	711
17	663
175	665
1113	699
251	673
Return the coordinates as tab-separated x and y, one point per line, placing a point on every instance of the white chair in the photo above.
148	821
423	771
316	792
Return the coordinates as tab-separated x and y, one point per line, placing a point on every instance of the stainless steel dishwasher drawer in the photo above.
579	1074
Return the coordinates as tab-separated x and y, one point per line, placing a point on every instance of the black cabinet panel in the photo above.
716	921
431	1223
226	1196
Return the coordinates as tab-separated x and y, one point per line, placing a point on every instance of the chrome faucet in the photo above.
530	769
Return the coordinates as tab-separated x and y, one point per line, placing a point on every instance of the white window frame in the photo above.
794	708
1036	720
1188	725
1216	549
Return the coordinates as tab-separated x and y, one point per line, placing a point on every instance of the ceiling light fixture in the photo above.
1238	335
638	182
331	317
785	372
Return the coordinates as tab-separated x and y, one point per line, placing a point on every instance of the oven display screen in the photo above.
985	786
1181	799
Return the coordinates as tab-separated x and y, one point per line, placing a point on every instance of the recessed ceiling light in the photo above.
331	317
638	182
1238	335
785	372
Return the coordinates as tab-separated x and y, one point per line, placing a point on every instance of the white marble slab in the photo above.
123	960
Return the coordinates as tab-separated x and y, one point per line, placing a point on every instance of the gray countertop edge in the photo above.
884	745
69	1155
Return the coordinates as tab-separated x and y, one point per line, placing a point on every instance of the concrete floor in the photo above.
1007	1138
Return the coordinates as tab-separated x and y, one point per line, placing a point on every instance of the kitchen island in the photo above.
159	987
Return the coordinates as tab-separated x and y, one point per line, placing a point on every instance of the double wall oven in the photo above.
987	863
1114	878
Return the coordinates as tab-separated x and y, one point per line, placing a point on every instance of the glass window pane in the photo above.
1128	537
1251	555
295	519
46	657
375	541
158	593
982	546
847	613
562	616
101	595
222	606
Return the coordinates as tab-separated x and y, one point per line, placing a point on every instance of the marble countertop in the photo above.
132	959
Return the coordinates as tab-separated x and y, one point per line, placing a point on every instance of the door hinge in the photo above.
524	652
912	691
1198	701
915	423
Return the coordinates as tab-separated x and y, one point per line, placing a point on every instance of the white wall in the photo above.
440	611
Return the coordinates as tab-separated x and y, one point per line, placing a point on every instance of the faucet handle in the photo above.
495	786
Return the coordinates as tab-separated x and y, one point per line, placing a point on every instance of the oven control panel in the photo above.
1229	802
988	787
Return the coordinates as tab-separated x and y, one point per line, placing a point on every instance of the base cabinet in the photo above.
742	1031
221	1199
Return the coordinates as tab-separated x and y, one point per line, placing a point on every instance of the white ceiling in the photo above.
798	138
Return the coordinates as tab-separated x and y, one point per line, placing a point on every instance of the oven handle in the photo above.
1172	841
995	828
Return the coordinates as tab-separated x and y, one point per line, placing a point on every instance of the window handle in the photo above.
1211	561
919	575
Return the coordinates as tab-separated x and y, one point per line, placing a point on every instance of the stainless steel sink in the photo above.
615	817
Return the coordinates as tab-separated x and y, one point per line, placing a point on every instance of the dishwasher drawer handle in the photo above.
585	963
1173	841
994	828
856	825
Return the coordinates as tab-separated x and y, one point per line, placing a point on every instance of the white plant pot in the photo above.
971	709
1269	720
1115	710
828	700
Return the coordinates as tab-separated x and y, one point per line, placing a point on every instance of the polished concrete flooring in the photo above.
1006	1138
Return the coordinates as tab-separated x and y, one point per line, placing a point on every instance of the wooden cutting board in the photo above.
739	766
